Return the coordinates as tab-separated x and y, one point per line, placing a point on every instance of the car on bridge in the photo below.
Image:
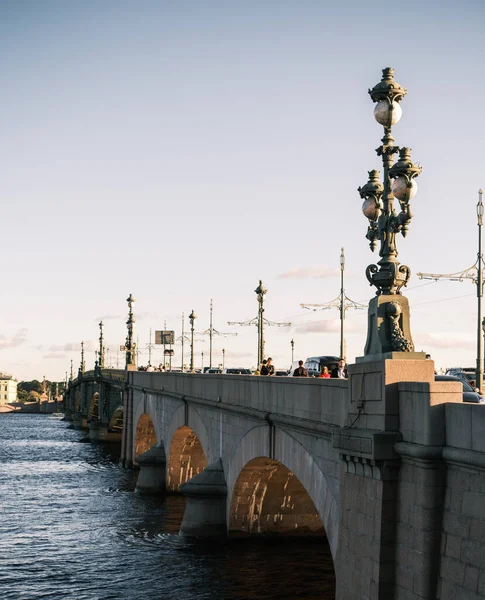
212	371
315	364
469	393
466	374
237	371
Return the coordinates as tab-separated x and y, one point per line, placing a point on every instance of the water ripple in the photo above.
71	528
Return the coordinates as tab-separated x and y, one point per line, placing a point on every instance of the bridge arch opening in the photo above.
268	499
145	436
117	421
93	412
186	459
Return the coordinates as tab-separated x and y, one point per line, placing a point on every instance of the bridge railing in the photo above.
309	399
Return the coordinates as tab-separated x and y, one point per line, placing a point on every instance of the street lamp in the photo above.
223	358
479	373
260	292
389	329
192	318
202	357
130	345
101	346
292	351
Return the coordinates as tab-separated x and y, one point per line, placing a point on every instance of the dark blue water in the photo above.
71	527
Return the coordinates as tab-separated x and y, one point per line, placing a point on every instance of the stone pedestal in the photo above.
205	512
153	468
388	328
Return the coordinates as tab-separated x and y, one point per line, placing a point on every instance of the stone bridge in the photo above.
387	467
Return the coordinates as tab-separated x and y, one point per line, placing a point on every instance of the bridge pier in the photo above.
205	512
370	476
153	468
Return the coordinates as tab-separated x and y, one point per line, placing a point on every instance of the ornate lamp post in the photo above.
292	351
101	346
72	374
192	318
389	329
260	292
82	366
479	372
130	345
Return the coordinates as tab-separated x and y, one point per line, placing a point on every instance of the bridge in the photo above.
388	467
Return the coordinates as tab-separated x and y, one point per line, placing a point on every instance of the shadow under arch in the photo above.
145	436
186	458
269	499
93	412
77	402
322	488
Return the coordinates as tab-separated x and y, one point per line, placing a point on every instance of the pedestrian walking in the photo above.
300	371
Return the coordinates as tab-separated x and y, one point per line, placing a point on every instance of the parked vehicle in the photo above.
237	371
466	374
469	393
315	364
212	371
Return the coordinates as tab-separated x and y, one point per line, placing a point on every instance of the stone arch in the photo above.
268	498
186	458
293	456
116	422
93	411
145	435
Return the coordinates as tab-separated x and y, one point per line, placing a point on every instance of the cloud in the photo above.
327	326
89	346
108	318
231	354
55	356
309	273
16	340
444	340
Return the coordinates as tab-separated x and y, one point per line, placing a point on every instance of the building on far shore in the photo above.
8	389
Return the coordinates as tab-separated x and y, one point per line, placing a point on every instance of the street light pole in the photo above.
223	357
479	373
389	324
101	346
192	318
130	345
292	350
210	338
260	292
202	358
342	299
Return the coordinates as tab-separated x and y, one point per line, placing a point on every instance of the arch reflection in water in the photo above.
186	459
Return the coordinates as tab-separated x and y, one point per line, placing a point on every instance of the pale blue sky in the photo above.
183	150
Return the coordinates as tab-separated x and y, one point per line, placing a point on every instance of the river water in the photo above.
71	527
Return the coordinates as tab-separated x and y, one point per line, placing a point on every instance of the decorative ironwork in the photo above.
130	345
388	276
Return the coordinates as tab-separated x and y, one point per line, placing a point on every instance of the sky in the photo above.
183	150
